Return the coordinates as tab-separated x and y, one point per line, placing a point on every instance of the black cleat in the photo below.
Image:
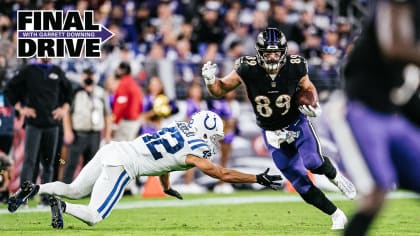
26	191
57	209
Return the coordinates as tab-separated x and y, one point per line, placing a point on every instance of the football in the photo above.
305	97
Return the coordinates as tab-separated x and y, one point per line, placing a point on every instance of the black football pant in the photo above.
40	147
86	144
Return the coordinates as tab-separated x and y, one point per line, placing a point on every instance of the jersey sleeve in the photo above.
299	65
242	65
199	148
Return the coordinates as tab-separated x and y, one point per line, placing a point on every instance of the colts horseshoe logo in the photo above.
205	123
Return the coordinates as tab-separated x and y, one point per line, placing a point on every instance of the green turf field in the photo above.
242	213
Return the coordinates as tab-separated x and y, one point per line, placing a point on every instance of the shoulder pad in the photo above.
295	56
297	60
246	60
199	148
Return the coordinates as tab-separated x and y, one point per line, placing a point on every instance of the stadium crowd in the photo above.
169	41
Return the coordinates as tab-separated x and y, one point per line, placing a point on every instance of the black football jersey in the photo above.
272	98
370	77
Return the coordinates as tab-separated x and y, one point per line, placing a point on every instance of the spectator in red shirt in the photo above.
127	105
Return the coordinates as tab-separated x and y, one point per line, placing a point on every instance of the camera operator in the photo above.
90	115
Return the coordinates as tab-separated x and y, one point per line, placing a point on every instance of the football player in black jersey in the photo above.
378	127
271	79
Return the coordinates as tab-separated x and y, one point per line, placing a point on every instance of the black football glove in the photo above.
174	193
267	180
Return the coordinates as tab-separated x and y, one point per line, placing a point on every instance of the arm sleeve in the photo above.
66	91
200	148
240	66
121	101
301	68
15	87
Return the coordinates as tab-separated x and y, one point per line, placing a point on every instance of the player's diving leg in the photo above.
106	193
83	183
311	153
294	170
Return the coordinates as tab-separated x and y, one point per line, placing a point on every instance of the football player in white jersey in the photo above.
178	146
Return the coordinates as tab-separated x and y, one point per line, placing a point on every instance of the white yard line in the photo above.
217	201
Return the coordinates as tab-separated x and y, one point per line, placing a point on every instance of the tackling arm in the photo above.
218	172
233	176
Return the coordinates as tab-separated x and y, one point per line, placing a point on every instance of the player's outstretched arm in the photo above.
233	176
164	180
219	87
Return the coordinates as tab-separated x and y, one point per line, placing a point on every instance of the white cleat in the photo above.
339	220
345	185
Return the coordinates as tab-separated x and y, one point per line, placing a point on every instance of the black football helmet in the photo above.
271	40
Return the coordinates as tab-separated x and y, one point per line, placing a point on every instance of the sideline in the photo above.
217	201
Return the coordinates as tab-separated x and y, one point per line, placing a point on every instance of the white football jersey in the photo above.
158	153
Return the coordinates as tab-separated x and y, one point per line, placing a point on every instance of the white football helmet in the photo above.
208	126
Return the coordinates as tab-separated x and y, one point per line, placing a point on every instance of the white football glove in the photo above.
208	72
310	110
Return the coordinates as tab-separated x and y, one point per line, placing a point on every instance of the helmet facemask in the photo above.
208	126
271	49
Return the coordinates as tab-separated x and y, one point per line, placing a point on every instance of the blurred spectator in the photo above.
260	18
223	109
5	175
43	96
195	103
243	33
157	106
184	60
7	112
5	26
311	47
332	41
293	48
344	31
230	19
168	25
278	19
292	11
208	30
235	51
89	116
299	29
127	105
323	15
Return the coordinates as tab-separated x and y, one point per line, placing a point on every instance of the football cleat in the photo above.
345	185
339	220
57	209
26	191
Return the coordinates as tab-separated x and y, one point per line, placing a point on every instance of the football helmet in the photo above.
208	126
271	41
